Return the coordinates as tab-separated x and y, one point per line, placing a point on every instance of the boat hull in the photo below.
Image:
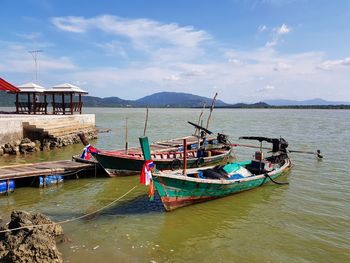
124	165
176	192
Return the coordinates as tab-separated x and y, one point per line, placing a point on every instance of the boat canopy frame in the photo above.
277	144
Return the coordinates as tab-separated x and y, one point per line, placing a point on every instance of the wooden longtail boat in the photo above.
167	155
202	184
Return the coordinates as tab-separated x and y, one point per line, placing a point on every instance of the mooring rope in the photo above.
275	182
72	219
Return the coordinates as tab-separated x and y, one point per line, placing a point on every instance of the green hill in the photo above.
175	99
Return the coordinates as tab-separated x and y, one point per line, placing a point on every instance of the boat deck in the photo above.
165	146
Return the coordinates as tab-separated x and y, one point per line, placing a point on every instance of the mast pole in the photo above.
211	109
126	135
144	130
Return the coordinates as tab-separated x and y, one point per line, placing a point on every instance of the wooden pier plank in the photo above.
41	169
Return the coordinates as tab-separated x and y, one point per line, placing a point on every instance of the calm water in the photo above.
306	221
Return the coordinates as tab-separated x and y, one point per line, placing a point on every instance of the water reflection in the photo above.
138	205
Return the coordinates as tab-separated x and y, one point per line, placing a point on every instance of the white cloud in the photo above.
80	83
136	30
284	29
296	77
235	61
113	48
71	24
267	88
332	64
277	33
262	28
271	43
281	66
194	73
172	78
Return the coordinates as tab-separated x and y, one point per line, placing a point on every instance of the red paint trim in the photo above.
171	203
6	86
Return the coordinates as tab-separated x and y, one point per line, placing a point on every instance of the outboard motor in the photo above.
222	138
279	145
283	145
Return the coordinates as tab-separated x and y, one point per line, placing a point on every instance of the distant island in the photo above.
186	100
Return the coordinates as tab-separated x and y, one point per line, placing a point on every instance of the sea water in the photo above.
305	221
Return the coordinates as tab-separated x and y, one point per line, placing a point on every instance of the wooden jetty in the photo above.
65	167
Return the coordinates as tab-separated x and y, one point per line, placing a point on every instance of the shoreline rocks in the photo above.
36	244
26	145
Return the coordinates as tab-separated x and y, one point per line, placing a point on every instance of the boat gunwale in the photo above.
141	158
178	175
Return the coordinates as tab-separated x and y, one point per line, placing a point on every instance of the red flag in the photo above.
88	150
146	173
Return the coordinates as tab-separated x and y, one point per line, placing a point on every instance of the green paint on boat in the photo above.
145	147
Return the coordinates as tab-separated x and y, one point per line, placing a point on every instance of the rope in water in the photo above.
72	219
275	182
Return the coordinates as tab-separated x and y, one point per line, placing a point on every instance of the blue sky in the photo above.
247	51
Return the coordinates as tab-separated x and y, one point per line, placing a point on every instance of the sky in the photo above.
246	51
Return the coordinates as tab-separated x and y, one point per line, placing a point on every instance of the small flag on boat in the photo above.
146	172
88	150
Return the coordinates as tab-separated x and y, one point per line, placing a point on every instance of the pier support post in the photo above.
8	187
185	157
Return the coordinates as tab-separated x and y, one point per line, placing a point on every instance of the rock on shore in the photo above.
27	146
30	244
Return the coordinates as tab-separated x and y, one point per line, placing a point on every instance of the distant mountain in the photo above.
245	105
304	102
90	101
175	99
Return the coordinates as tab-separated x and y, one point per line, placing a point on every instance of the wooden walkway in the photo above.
42	169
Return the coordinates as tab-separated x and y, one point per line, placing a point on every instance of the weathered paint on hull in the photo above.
176	193
116	166
119	166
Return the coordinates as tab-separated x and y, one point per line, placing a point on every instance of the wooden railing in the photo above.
67	108
31	108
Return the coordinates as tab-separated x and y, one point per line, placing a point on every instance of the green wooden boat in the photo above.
177	189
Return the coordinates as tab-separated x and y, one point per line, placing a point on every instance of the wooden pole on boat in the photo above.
83	138
144	130
126	135
199	136
248	145
317	153
261	155
211	109
185	157
199	120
